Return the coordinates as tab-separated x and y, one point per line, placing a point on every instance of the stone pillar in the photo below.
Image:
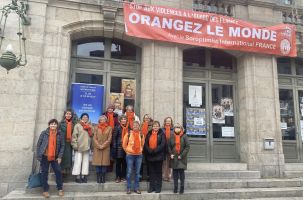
19	93
161	81
259	114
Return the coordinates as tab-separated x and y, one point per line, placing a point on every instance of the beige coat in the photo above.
80	139
101	157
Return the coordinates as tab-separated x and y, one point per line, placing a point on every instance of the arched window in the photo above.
123	50
92	48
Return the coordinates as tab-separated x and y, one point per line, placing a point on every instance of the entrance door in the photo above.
208	118
291	123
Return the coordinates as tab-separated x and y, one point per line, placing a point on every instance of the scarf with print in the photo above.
52	142
88	128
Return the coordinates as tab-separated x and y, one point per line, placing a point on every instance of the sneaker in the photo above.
46	194
128	191
123	180
60	193
118	180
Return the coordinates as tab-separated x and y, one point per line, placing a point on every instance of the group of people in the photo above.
121	138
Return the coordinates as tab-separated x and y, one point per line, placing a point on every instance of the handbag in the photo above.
34	179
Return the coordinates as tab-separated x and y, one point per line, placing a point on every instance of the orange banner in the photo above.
208	30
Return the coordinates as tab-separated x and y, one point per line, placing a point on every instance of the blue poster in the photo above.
88	98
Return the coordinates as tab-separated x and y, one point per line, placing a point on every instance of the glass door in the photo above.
223	140
300	135
288	125
195	120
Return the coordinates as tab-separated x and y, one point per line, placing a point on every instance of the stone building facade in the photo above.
33	94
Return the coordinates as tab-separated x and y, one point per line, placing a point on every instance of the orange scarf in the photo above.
69	129
137	142
167	132
178	142
144	129
124	131
153	140
52	140
130	119
102	126
87	128
111	120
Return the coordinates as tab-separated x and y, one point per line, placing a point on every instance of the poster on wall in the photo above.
88	98
218	116
195	121
228	107
228	131
128	88
117	99
195	95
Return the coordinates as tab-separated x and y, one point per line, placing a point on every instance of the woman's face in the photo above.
156	127
168	122
68	115
177	130
123	121
102	120
146	118
85	119
136	127
53	126
129	109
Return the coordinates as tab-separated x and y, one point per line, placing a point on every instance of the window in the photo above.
222	111
299	66
194	57
284	65
221	60
91	49
89	78
287	116
122	50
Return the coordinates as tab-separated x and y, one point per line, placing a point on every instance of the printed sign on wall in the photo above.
88	98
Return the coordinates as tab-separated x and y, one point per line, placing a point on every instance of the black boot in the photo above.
181	189
84	179
78	179
98	178
103	178
175	186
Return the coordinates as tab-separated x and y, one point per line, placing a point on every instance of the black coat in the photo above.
157	154
118	151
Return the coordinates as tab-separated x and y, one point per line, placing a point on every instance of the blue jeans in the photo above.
101	169
44	166
133	162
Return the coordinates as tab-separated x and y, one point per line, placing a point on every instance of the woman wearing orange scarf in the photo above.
81	143
133	146
178	148
101	142
66	128
146	126
154	149
50	148
168	131
131	116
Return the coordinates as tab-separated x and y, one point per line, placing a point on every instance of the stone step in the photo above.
293	166
223	174
189	184
242	193
188	173
192	166
293	174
